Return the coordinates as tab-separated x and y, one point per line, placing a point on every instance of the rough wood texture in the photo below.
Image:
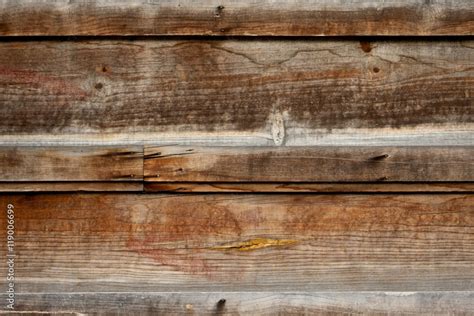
241	242
252	303
228	17
200	187
74	186
71	163
308	164
239	92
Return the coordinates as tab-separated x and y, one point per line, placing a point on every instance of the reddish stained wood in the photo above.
227	17
239	92
127	242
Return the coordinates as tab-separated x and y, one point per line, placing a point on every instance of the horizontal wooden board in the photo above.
227	17
304	187
308	164
251	303
70	243
67	163
77	186
239	92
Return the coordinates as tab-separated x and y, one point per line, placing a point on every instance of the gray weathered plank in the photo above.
241	242
228	17
308	164
250	303
86	163
239	92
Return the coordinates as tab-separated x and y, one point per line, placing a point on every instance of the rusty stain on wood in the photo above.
317	116
157	242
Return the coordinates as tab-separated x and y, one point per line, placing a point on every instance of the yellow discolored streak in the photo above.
255	244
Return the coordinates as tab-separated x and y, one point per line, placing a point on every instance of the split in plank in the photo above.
304	187
239	92
228	17
242	242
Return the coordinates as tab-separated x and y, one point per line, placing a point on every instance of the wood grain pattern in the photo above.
251	303
67	243
227	17
238	92
71	163
308	164
78	186
222	187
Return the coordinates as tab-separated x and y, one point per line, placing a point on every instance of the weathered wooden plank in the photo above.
71	163
216	187
251	303
227	17
308	164
58	186
242	92
69	243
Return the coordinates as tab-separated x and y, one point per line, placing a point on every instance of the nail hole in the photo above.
376	69
365	46
221	303
99	86
219	11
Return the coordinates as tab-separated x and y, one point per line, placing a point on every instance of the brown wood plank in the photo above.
68	243
58	186
81	163
308	164
216	187
251	303
227	17
239	92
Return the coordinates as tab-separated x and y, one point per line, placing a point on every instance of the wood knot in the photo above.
278	128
